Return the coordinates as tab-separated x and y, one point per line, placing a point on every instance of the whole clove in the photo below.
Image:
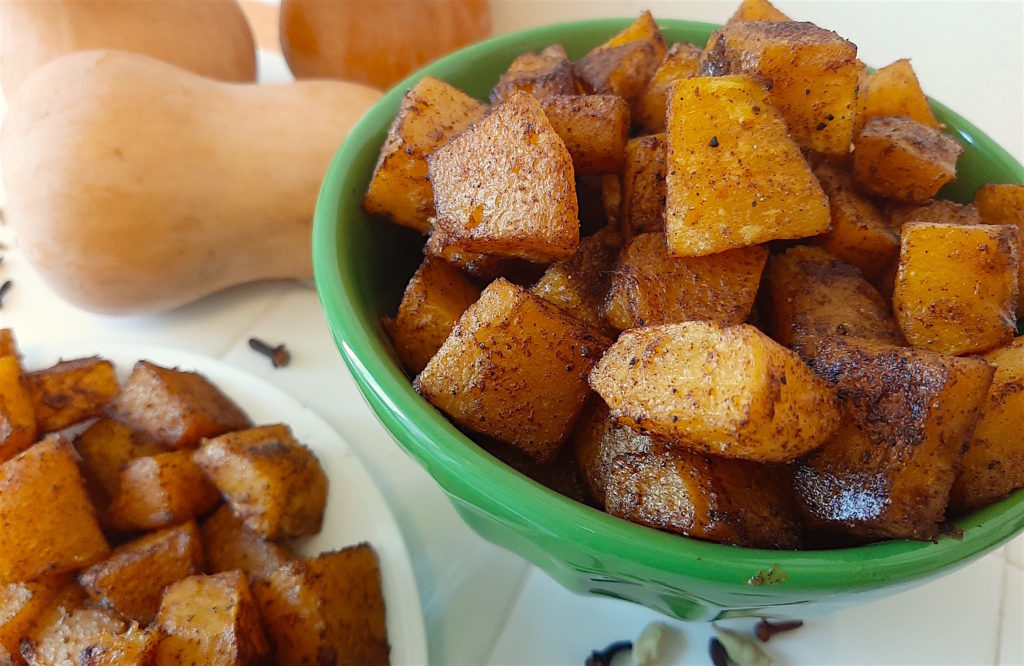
765	629
604	657
717	653
4	289
279	355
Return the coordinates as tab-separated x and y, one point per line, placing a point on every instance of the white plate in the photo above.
356	511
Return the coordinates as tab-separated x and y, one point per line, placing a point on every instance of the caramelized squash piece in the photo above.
598	439
680	62
625	63
594	129
17	413
70	392
643	185
895	91
160	490
543	74
578	285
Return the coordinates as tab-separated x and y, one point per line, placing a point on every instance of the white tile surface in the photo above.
1011	643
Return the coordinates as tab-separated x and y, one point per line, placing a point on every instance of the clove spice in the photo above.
604	657
765	629
4	289
278	355
717	652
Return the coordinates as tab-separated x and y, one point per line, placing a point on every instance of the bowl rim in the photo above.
467	472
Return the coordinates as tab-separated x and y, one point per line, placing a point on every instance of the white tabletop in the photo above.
484	605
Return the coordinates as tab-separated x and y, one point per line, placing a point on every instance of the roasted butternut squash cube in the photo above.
757	10
643	185
578	285
590	197
680	63
275	484
908	416
431	113
487	267
994	463
47	524
529	399
228	544
132	580
104	447
812	76
937	210
8	343
211	620
651	287
734	177
21	604
17	412
174	407
65	631
625	63
598	439
543	74
859	232
70	392
329	605
434	299
160	490
506	186
895	91
594	129
135	647
901	159
956	287
729	501
727	390
809	295
1001	203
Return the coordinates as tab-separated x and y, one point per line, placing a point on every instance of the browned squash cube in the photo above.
901	159
160	490
956	287
47	524
594	129
730	501
643	185
529	399
734	177
229	544
994	464
578	285
174	407
812	76
17	412
680	63
487	267
1004	204
939	211
727	390
652	287
104	447
434	299
543	74
506	186
274	483
8	344
65	631
859	233
136	647
431	113
895	91
21	604
611	198
625	63
329	605
597	440
757	10
70	392
809	295
211	620
132	580
909	414
591	202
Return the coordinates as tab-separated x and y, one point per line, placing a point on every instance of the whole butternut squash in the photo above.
373	41
134	186
208	37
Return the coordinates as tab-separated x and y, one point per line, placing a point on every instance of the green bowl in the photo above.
361	266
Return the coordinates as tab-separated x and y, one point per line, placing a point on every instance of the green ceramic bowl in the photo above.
361	267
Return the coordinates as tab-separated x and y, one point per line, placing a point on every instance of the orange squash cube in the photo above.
643	185
541	74
680	62
895	91
625	63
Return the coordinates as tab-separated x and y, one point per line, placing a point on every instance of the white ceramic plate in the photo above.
356	511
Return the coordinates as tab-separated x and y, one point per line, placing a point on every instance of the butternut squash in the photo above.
135	186
375	42
210	37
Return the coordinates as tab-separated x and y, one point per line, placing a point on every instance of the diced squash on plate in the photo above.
901	159
812	75
65	631
651	287
543	74
104	447
135	647
430	114
228	545
597	440
160	490
625	63
272	482
579	284
643	185
727	390
21	604
594	129
506	186
70	392
734	177
530	398
956	287
174	407
680	62
895	91
611	198
47	524
434	299
17	413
